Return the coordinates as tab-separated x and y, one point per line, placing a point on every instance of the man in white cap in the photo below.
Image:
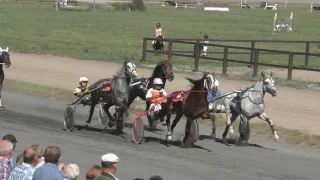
109	164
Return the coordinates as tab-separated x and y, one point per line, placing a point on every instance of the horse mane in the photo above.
195	83
156	68
116	76
120	72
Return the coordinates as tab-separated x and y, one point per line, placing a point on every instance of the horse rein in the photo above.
261	92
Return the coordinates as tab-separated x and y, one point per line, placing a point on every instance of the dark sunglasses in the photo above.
84	81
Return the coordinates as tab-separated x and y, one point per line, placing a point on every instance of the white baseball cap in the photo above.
110	157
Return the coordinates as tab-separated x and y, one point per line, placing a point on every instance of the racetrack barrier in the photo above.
252	51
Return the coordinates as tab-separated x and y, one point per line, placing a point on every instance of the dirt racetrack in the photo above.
291	108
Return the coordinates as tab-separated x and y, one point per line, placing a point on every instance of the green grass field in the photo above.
107	35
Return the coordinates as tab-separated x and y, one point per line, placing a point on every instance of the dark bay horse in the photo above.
164	71
113	91
158	45
4	59
194	104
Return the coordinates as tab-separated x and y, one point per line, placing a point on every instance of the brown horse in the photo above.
193	105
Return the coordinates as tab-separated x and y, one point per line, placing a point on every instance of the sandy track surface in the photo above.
291	108
40	121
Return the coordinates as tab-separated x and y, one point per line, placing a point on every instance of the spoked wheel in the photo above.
103	117
138	130
69	119
194	131
244	136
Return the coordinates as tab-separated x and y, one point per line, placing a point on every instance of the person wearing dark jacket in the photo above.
109	164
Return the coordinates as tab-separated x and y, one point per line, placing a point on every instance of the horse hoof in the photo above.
169	138
213	135
231	130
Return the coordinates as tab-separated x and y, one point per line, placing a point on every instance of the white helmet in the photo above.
216	83
157	81
83	79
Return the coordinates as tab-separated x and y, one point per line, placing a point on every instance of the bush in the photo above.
136	5
121	6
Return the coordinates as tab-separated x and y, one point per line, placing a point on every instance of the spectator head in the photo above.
6	149
71	171
109	163
38	148
11	138
52	154
31	156
93	172
19	159
155	178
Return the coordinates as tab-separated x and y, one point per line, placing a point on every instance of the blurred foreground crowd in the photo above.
36	164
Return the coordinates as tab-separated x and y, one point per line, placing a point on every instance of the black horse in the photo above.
113	91
4	59
158	45
164	71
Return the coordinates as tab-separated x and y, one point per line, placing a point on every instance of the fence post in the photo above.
144	48
225	60
252	53
196	58
170	50
290	66
255	64
306	63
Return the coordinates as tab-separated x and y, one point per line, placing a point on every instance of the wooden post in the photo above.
256	61
290	66
196	58
306	62
225	60
170	50
252	53
144	48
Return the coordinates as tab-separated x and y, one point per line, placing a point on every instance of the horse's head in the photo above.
167	70
131	70
4	57
210	83
268	84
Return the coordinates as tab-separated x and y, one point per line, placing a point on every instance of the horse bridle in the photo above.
4	58
205	83
261	92
163	69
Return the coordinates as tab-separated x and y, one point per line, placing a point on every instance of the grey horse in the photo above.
4	59
115	92
248	103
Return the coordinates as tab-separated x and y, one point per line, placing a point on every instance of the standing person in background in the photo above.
13	140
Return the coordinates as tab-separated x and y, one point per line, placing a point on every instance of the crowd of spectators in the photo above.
38	164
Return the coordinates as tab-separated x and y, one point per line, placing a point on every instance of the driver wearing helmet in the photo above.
82	89
156	95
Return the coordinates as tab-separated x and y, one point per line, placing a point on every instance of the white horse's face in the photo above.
268	84
5	57
209	83
131	67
